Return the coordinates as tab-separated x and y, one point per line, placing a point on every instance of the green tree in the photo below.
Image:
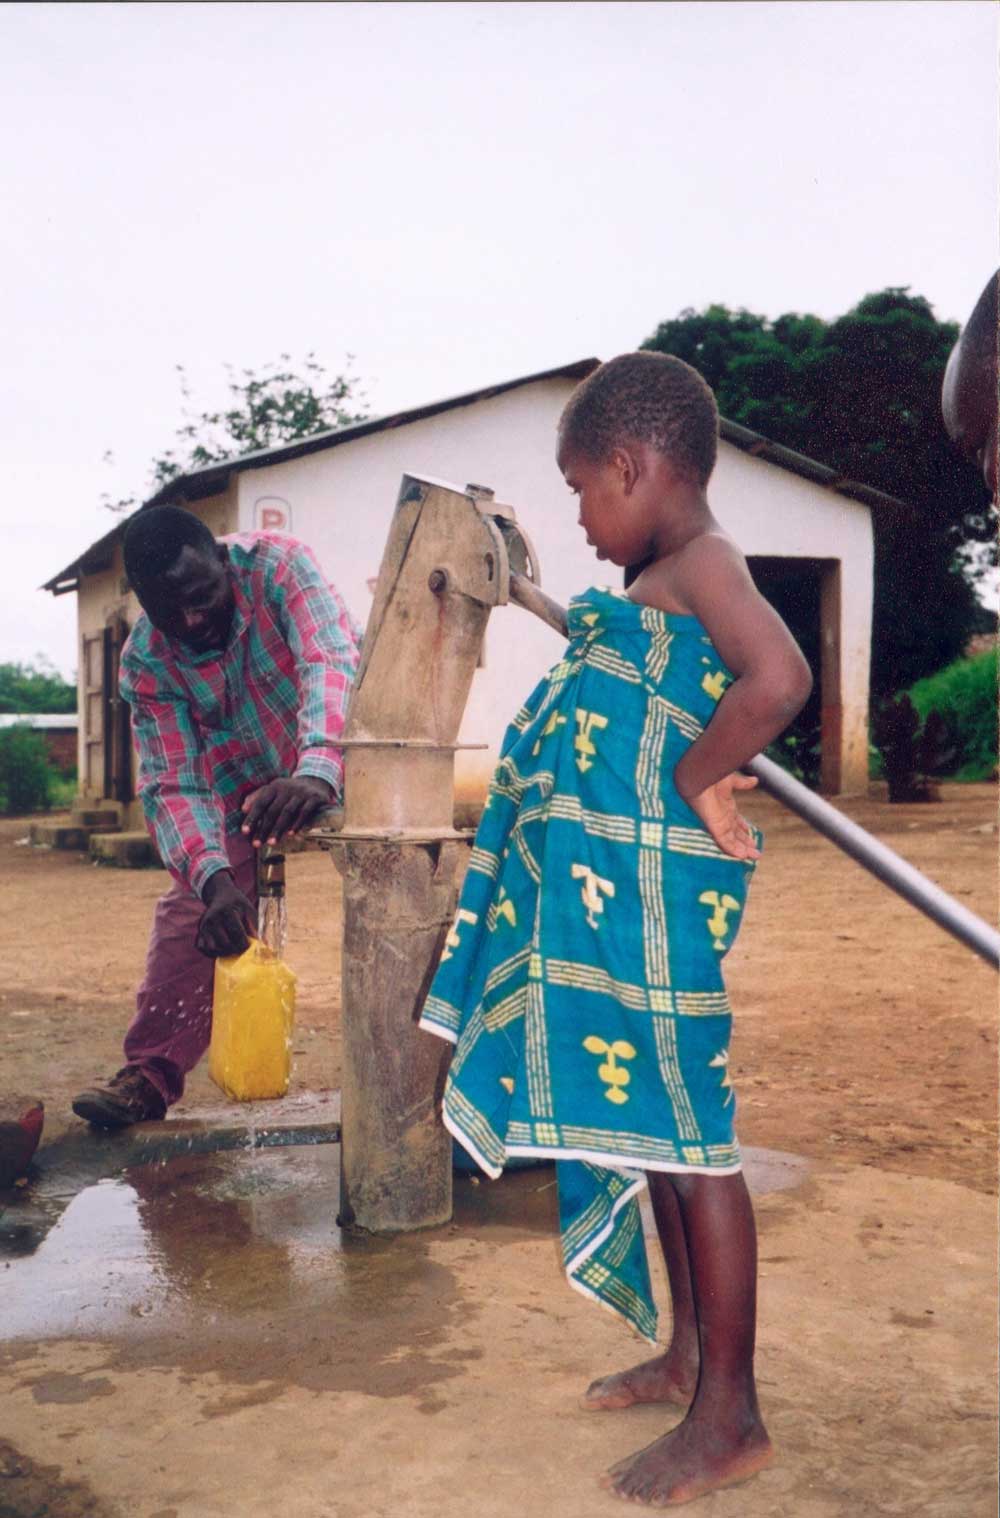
37	687
278	405
863	395
25	776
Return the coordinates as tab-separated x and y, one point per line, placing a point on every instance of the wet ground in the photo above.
197	1337
205	1243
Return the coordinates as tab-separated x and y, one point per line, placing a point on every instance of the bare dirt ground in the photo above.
865	1042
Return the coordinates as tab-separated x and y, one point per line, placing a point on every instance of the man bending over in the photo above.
238	675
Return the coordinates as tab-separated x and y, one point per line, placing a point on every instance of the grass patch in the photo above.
964	694
62	792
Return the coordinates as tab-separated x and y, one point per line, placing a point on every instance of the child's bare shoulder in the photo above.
710	548
710	562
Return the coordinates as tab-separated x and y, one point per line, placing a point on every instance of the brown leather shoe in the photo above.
129	1098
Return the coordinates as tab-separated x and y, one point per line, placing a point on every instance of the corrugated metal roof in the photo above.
811	469
213	478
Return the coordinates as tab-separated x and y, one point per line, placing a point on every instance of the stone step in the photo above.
129	851
74	834
59	835
106	821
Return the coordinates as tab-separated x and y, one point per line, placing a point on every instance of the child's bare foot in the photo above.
669	1378
694	1458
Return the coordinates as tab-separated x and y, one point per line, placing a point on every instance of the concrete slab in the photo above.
83	1156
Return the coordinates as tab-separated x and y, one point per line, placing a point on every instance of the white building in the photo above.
798	521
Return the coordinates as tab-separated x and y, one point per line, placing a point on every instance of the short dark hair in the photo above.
650	398
156	538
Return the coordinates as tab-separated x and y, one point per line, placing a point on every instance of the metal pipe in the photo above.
873	855
525	593
881	861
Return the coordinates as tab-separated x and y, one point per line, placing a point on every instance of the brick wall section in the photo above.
61	744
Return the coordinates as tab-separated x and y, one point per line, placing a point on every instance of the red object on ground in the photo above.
21	1122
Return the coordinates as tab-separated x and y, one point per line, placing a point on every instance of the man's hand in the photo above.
284	806
716	806
229	920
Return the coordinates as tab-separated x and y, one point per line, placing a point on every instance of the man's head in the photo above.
969	399
640	432
180	575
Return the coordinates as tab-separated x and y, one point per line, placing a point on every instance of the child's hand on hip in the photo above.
716	806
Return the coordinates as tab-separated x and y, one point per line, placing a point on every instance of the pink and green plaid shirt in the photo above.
210	728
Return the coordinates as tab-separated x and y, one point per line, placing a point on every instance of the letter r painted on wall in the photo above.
272	514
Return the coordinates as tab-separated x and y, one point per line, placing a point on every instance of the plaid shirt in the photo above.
210	728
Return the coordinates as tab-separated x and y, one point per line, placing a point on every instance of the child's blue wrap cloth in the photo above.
582	979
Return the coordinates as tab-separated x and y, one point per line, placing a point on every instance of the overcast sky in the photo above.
454	193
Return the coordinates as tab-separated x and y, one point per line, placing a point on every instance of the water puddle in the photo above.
244	1245
232	1264
197	1235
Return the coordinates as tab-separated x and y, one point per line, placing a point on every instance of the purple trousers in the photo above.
173	1020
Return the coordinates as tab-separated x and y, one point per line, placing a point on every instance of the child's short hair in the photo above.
645	398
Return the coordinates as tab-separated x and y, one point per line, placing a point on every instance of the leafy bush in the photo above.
910	751
964	694
799	751
25	775
63	791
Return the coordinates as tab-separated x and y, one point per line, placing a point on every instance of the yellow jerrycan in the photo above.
253	1012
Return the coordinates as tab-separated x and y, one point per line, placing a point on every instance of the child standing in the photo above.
581	981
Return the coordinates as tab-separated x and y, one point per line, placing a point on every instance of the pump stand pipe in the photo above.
873	855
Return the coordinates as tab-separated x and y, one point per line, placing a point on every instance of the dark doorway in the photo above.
806	595
117	718
794	587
